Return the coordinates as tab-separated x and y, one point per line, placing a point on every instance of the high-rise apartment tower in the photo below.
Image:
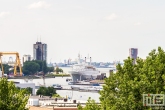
133	52
40	51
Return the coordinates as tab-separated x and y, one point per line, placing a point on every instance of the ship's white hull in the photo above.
83	75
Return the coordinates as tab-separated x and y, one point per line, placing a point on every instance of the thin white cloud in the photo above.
4	14
137	23
79	7
40	4
111	17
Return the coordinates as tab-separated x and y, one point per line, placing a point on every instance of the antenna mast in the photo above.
90	60
79	58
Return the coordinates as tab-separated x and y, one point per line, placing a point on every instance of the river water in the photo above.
62	81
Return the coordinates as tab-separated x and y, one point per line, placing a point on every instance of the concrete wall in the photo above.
33	102
25	85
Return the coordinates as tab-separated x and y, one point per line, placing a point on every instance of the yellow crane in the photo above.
17	62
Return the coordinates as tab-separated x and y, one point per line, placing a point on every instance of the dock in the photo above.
87	82
98	81
81	90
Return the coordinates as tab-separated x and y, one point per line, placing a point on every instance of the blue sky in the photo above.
104	29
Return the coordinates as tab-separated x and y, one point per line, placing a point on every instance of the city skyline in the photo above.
103	29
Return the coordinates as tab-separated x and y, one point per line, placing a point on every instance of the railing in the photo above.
51	98
69	104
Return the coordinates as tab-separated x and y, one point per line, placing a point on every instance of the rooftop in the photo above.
40	108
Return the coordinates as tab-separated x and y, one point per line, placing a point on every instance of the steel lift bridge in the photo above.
16	64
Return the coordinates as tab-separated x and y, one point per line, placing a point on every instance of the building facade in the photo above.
26	58
40	51
133	52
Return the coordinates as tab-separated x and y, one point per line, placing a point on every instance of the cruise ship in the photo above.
83	71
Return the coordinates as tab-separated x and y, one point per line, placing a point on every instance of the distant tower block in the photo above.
133	52
40	51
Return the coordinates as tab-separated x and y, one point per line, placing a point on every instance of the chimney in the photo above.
85	59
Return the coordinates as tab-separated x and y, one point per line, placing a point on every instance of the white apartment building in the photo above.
26	58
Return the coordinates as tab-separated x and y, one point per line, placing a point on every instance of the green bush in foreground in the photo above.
12	98
90	105
57	95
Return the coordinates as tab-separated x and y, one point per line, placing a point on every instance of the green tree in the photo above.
18	69
58	70
46	91
25	72
44	67
90	105
29	90
50	69
57	95
12	98
42	91
29	67
124	89
38	62
6	68
61	70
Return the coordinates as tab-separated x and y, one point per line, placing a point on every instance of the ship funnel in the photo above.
85	59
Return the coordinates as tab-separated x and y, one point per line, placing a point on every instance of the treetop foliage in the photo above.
90	105
46	91
32	67
124	89
12	98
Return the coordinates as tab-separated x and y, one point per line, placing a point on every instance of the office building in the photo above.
133	52
40	51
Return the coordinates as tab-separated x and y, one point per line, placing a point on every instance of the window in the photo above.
132	52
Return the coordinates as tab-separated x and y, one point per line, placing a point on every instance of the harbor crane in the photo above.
17	63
